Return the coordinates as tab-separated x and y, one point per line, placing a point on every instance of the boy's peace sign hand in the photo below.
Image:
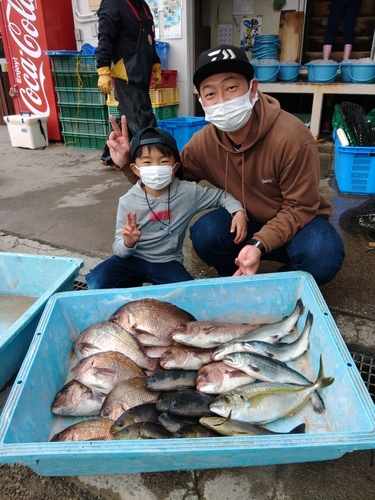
130	232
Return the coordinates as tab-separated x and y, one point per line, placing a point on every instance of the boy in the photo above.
153	216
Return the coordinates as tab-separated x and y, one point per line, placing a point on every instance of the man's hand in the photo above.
119	144
239	226
248	260
130	233
105	80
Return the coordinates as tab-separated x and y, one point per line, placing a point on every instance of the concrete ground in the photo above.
61	201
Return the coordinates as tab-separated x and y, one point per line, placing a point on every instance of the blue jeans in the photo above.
316	248
117	272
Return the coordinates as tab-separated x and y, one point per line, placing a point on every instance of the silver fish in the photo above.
171	380
267	406
283	351
77	400
104	370
217	377
271	370
272	332
107	336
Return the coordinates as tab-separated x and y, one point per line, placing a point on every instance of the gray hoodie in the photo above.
164	227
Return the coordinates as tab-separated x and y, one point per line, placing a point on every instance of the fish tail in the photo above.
300	429
321	380
300	306
326	381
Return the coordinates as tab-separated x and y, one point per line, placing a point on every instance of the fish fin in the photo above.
85	346
104	371
299	304
300	429
229	417
98	395
146	338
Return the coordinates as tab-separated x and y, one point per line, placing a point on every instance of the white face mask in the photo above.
230	116
156	176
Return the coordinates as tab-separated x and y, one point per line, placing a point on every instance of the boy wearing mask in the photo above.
153	217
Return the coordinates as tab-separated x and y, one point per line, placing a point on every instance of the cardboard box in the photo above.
27	130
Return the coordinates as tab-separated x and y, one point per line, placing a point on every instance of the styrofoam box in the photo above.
27	423
26	284
25	130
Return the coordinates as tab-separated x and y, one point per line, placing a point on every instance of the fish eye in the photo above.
120	423
168	352
105	412
64	392
204	374
242	397
226	399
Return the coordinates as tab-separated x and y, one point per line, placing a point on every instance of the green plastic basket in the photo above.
78	95
82	111
94	127
84	141
73	62
113	110
87	80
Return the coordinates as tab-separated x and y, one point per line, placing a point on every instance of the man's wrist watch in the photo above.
258	244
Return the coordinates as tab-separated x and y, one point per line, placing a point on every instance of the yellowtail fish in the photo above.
268	404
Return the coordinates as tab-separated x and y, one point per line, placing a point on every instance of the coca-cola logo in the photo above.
28	67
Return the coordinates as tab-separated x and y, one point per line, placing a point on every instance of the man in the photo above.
268	160
126	40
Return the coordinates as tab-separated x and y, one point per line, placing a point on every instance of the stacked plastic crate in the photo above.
83	110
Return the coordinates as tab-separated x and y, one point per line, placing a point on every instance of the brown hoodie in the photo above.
275	174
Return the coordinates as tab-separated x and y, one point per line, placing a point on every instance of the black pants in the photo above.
347	9
135	103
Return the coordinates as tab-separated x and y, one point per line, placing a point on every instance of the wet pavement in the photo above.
61	201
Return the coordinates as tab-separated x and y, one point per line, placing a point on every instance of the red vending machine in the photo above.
28	29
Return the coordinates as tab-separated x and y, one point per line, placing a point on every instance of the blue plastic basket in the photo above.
27	423
162	49
354	168
28	281
182	128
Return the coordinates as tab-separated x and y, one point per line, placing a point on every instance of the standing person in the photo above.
126	40
153	216
268	159
347	9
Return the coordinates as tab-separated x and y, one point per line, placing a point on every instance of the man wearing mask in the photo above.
268	160
126	41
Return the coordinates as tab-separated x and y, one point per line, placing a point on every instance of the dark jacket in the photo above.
126	31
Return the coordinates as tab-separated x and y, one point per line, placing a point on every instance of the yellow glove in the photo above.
105	80
156	74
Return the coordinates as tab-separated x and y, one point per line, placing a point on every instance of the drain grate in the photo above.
79	285
365	362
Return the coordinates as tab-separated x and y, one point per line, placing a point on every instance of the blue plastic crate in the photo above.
182	128
27	423
162	49
26	284
354	168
